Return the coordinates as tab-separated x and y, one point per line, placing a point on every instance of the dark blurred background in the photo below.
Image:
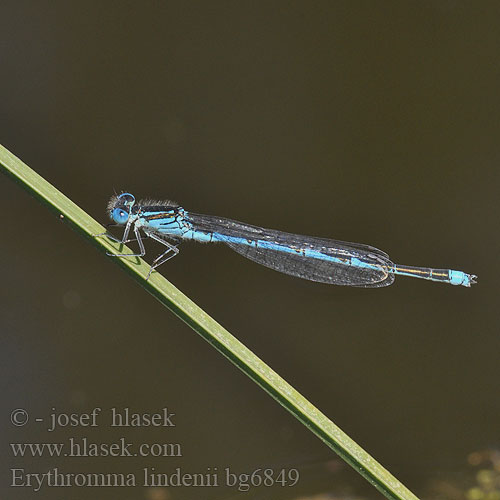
374	122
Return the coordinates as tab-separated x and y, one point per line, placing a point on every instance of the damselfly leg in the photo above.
171	251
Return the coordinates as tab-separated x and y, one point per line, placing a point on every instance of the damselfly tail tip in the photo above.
461	278
472	279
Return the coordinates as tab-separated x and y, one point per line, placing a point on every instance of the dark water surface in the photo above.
375	122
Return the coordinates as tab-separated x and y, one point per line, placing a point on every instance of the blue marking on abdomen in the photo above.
458	278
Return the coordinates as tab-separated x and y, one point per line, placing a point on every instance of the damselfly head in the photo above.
119	207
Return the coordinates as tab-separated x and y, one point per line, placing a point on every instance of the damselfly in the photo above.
315	259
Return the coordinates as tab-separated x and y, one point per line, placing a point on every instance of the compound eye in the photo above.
120	216
127	199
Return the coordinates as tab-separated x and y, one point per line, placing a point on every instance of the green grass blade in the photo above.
211	331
